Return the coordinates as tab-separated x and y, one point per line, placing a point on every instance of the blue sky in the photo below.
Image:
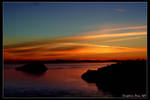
74	30
46	19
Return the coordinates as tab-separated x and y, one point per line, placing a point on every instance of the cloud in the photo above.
71	39
70	46
123	39
124	28
113	35
66	50
88	35
120	10
45	49
113	28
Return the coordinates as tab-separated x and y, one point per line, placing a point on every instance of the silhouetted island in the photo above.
33	68
123	78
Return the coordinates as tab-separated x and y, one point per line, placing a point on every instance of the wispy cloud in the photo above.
124	39
124	28
112	35
74	39
120	10
109	29
83	36
66	50
69	46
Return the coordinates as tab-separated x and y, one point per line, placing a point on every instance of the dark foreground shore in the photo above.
123	78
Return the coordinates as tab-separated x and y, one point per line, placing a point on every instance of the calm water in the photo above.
60	80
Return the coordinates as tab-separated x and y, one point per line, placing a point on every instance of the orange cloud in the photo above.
112	35
66	50
122	39
124	28
113	28
71	46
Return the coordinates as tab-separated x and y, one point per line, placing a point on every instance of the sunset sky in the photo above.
74	30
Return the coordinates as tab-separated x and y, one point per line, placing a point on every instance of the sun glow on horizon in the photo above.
74	48
74	31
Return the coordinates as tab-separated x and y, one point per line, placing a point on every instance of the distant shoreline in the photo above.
20	62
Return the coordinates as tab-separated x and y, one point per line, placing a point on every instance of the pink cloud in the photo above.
120	10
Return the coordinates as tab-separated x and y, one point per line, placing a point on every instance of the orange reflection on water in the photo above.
54	80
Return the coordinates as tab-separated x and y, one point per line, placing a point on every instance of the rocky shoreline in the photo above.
127	77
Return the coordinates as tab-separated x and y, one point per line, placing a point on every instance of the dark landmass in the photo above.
126	77
33	68
56	61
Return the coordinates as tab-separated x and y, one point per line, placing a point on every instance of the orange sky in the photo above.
105	44
75	31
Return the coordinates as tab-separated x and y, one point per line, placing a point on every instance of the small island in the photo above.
126	77
33	68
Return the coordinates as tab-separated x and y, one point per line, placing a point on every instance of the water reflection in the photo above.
52	83
126	77
28	74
